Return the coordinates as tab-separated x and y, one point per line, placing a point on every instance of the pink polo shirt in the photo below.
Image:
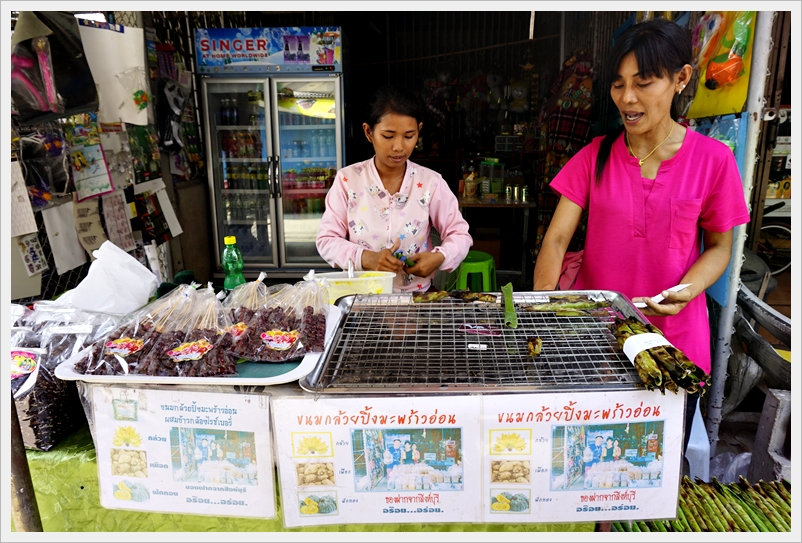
360	214
643	235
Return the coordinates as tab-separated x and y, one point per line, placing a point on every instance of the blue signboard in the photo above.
229	51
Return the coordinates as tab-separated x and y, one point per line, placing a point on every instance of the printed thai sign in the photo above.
595	456
182	451
259	50
378	460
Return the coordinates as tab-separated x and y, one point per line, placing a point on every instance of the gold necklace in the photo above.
641	160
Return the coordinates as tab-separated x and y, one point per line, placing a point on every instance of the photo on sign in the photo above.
126	490
318	503
314	445
125	409
510	471
201	455
509	500
129	463
602	456
511	441
315	473
408	459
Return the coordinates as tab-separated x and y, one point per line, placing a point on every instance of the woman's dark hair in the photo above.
661	49
389	99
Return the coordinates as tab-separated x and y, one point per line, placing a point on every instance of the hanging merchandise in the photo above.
144	148
724	45
172	98
565	121
90	172
41	46
150	219
135	82
50	76
27	87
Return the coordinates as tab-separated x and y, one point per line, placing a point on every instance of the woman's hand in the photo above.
382	260
425	264
673	303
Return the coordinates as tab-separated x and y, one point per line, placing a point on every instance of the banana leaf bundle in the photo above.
717	507
662	367
468	296
565	305
428	297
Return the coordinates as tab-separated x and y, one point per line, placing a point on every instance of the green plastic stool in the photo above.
477	262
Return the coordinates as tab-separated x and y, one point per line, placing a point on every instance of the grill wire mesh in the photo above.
386	343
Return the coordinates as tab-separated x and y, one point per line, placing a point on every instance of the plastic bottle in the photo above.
223	112
233	112
232	264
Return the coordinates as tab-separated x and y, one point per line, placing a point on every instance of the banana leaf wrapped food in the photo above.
661	366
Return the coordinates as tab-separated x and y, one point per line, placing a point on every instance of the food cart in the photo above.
487	432
433	411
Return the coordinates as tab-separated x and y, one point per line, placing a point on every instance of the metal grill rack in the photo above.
388	344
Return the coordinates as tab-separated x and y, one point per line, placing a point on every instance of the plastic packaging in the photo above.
27	88
719	464
121	350
243	301
737	468
291	324
47	407
135	82
204	351
167	333
312	303
269	316
232	264
41	47
726	129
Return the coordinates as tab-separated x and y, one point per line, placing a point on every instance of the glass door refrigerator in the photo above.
274	130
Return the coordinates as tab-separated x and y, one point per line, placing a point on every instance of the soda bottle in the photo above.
232	264
233	112
223	111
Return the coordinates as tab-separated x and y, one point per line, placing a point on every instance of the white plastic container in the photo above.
363	282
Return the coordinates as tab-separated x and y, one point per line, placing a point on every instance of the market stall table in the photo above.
489	434
501	203
66	483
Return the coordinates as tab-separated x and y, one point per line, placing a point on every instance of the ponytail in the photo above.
604	151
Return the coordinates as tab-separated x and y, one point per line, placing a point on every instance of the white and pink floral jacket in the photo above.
360	214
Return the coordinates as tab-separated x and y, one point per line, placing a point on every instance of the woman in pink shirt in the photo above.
662	200
388	204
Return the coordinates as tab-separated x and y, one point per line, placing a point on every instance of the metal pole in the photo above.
24	508
755	103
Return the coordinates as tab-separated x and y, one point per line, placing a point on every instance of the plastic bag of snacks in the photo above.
312	303
247	342
242	302
273	333
204	350
48	408
291	324
167	333
120	351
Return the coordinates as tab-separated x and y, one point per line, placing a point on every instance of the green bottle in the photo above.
232	264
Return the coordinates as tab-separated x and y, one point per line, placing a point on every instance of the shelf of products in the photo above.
309	127
304	191
228	160
239	127
246	191
308	159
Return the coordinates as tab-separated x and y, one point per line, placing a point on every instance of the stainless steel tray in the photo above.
385	343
